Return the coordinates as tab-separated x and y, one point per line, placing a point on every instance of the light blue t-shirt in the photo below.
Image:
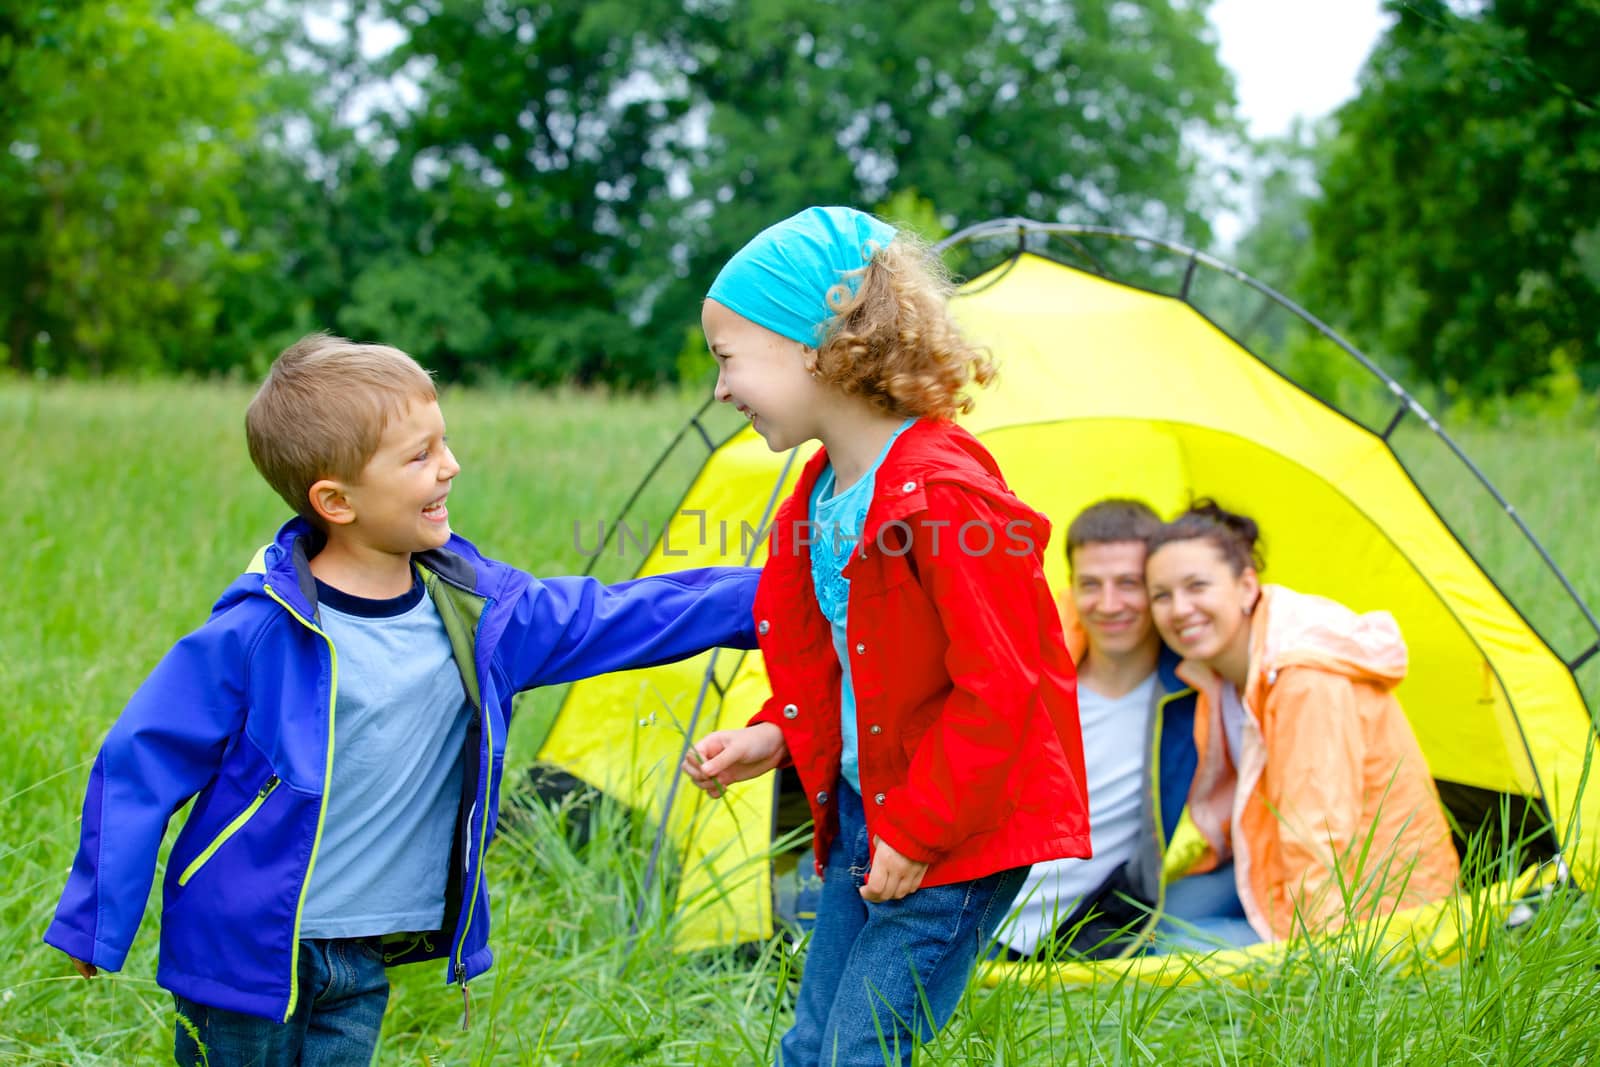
400	719
1115	734
836	522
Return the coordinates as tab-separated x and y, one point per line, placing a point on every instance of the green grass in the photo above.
130	506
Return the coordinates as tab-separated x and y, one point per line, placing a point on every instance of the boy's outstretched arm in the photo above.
162	749
564	629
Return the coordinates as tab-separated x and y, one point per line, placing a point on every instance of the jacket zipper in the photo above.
1138	943
233	827
322	809
475	878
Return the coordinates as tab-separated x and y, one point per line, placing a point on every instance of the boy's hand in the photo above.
892	875
729	756
88	970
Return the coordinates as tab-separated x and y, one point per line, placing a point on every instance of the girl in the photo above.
920	683
1311	793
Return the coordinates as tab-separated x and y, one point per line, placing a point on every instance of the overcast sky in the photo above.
1294	57
1290	58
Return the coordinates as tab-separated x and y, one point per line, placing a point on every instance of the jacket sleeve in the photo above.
163	748
1314	785
985	603
563	629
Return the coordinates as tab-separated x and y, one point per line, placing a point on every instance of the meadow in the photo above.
133	505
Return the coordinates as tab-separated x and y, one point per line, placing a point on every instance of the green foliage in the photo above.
538	189
122	122
911	211
1056	111
695	364
1559	398
1455	229
431	306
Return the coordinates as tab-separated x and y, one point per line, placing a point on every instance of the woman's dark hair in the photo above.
1236	537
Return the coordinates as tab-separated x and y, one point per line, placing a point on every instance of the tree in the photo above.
1458	218
551	197
1087	111
122	121
327	204
606	156
535	149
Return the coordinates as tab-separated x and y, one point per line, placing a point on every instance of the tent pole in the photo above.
616	524
707	681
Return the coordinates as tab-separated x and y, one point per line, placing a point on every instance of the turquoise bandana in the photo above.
781	279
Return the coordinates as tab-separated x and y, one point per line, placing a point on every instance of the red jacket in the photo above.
970	751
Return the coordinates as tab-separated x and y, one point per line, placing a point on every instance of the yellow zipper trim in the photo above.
471	682
1138	943
322	809
483	844
229	830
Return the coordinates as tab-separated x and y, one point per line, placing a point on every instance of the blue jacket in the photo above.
240	713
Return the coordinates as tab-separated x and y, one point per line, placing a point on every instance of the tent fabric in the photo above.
1105	389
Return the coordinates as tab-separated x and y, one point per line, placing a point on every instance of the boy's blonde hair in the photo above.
894	343
322	411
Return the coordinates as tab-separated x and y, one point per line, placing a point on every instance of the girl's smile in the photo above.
765	377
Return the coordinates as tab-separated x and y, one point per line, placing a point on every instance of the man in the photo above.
1138	739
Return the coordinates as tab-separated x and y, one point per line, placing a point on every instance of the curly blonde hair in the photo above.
894	343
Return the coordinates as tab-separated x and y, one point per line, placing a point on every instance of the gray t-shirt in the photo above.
400	719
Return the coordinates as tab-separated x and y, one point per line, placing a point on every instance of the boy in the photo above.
341	723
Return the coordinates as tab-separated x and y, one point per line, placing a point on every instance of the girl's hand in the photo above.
892	876
729	756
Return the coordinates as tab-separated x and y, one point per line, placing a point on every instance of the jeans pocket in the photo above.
371	947
861	855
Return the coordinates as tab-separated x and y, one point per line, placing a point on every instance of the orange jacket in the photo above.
1333	799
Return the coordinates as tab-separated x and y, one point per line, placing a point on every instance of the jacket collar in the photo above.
1167	677
928	449
285	565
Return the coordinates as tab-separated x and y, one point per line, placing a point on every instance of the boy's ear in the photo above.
328	499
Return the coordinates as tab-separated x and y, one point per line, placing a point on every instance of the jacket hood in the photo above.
1302	629
933	451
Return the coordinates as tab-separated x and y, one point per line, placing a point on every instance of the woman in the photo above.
1310	786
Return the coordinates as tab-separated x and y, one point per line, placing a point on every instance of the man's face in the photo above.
1108	592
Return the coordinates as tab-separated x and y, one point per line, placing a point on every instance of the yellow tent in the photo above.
1110	389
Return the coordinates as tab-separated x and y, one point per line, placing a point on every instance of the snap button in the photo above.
822	797
908	487
790	711
875	728
880	798
861	649
762	627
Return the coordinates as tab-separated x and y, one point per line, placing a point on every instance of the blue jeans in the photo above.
343	991
877	973
1203	913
